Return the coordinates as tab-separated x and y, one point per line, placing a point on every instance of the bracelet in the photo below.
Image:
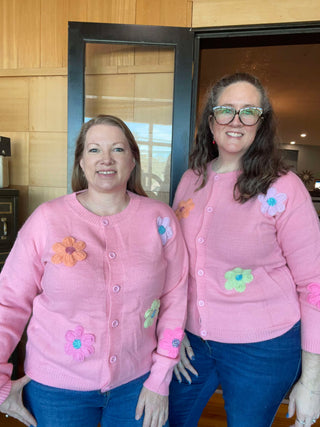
311	391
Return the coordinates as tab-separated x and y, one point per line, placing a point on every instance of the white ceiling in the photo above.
291	75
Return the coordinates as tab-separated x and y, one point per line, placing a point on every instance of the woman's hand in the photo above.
305	404
186	354
13	405
155	408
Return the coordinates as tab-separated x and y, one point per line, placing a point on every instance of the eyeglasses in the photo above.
248	116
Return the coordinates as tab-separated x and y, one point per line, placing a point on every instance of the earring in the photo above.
213	141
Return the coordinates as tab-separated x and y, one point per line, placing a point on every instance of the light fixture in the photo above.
303	135
292	142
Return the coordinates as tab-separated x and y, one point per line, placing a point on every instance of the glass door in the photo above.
143	75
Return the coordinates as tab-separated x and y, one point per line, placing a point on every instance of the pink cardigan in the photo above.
254	267
107	296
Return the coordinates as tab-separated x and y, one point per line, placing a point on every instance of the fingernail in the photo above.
179	381
192	358
287	416
189	382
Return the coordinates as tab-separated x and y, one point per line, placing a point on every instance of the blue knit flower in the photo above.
164	229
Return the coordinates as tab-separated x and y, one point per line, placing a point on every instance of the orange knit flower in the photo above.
69	251
184	208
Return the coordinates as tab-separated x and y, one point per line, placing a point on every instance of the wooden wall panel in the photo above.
8	39
28	33
14	97
19	34
112	11
48	159
48	104
175	13
210	13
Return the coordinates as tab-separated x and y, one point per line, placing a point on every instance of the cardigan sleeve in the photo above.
19	284
172	314
298	233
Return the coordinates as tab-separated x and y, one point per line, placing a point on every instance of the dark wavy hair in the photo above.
79	181
261	164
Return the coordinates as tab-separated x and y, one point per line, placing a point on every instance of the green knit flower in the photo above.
237	279
151	313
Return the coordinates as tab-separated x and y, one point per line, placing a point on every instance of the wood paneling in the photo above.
48	104
19	33
112	11
14	98
164	12
48	159
208	13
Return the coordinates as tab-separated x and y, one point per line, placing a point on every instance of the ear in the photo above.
210	123
81	164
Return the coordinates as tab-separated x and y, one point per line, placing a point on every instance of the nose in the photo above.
107	157
236	120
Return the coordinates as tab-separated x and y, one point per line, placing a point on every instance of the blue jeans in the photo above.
254	378
55	407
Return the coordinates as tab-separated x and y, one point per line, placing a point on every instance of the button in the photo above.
209	209
112	255
113	359
216	178
116	289
105	222
201	303
115	323
200	272
204	333
200	239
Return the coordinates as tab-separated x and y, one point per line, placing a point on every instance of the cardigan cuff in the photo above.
158	381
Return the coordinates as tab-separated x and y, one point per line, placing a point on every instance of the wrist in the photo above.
317	392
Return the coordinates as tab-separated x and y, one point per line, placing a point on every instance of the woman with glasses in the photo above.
254	281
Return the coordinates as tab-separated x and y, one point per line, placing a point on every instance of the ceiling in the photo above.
291	75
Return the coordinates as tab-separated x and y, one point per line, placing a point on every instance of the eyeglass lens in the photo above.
248	116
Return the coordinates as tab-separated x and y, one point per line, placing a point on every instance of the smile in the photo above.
106	172
234	134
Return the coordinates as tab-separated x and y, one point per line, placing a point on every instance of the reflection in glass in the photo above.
135	83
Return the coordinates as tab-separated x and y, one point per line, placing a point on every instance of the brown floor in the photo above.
213	416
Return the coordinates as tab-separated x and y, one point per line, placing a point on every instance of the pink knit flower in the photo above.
272	202
171	341
79	345
314	294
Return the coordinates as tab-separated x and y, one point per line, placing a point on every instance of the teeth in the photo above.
234	134
106	172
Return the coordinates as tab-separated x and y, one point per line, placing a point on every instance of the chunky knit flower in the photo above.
184	208
272	202
237	279
69	251
171	341
314	294
151	314
79	345
164	229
